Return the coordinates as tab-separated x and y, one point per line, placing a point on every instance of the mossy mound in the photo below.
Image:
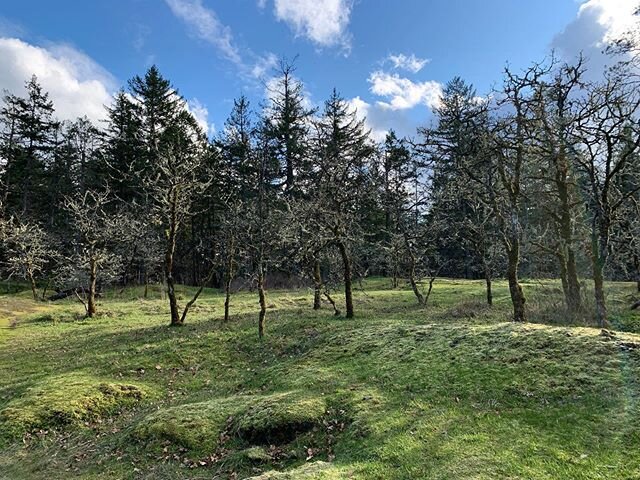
67	400
252	420
195	426
278	418
305	472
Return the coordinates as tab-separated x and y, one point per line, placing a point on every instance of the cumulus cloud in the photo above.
403	93
201	113
380	120
401	96
617	17
597	24
411	63
324	22
204	24
76	84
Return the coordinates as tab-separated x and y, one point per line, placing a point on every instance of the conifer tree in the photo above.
288	127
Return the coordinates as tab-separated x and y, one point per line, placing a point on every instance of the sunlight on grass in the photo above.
450	391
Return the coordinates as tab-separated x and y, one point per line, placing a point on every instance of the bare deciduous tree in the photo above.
609	140
180	176
511	142
96	231
28	251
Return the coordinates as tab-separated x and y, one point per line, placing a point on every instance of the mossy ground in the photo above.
450	391
66	400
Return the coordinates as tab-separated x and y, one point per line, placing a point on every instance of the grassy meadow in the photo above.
450	391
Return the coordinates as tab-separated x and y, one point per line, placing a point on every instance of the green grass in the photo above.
450	391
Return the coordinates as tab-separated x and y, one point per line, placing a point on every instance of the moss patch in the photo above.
254	420
305	472
278	418
195	426
66	400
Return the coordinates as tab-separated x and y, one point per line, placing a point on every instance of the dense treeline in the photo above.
539	178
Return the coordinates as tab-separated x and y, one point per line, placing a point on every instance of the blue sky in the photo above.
390	58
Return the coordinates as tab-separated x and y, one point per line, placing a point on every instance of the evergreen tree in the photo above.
288	127
158	104
124	148
28	146
236	149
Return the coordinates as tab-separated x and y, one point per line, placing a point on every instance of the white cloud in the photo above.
264	65
403	93
616	16
204	24
597	23
76	84
324	22
201	113
410	63
401	97
380	120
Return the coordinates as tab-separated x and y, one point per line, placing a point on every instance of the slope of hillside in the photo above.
449	391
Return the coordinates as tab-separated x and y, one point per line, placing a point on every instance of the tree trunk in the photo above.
412	272
91	296
414	285
569	277
336	312
348	291
173	301
227	297
574	299
599	251
317	284
562	265
146	284
487	279
515	289
290	175
34	290
171	290
263	301
193	300
228	279
168	265
565	231
44	290
431	282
